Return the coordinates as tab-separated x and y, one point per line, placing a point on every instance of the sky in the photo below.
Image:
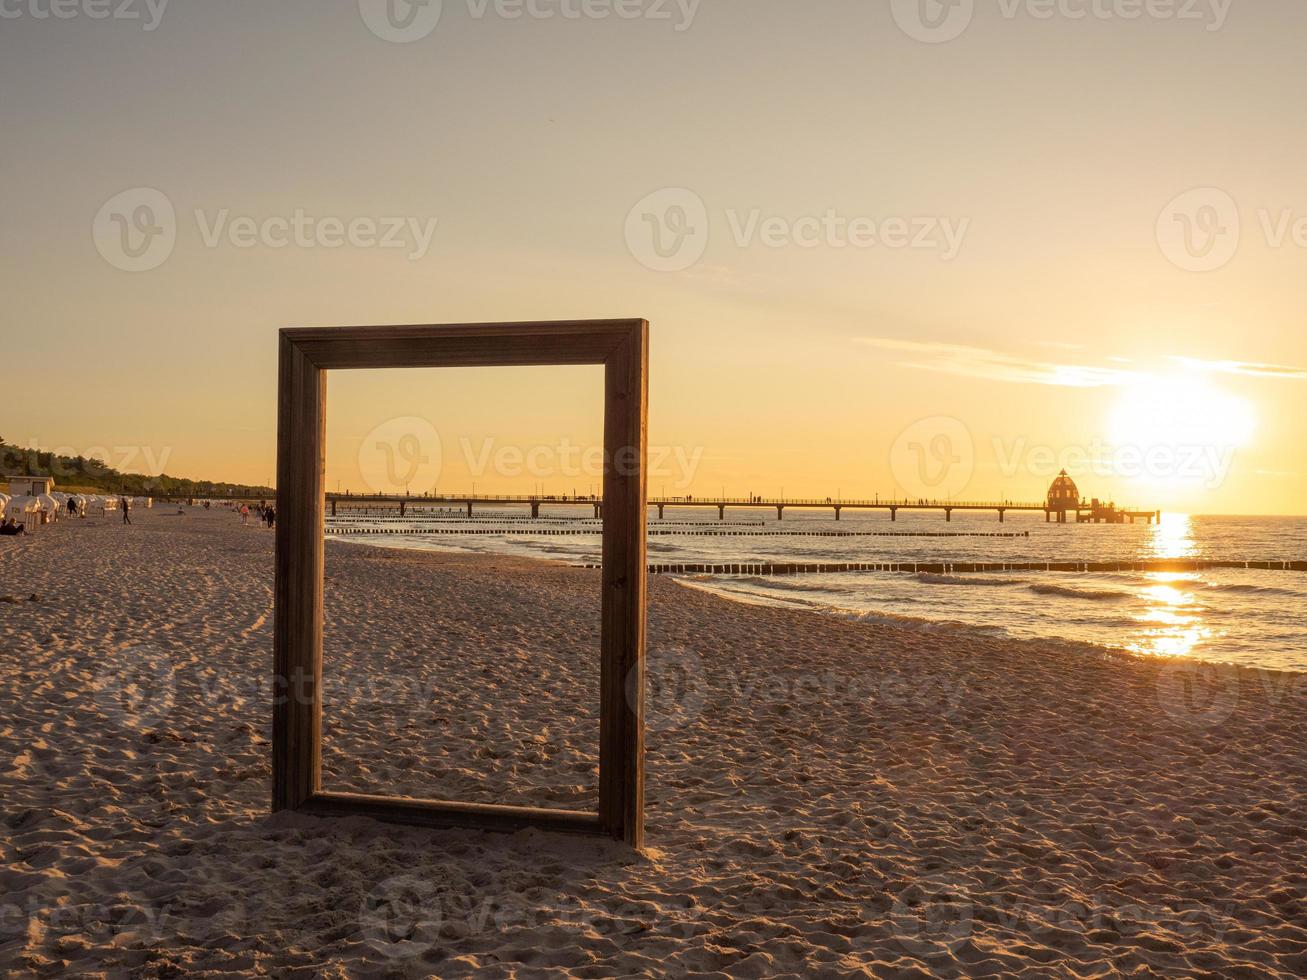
911	247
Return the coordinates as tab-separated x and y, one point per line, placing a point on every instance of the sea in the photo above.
1244	616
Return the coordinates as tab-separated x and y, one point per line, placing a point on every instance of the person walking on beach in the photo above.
245	513
122	502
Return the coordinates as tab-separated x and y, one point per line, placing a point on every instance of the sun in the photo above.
1178	413
1178	431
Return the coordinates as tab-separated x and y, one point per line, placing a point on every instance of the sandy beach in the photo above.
826	797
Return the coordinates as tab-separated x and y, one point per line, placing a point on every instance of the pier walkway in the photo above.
1086	512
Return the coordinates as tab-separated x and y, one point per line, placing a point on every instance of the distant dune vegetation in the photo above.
88	473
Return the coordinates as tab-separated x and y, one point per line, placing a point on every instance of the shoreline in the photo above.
823	796
687	580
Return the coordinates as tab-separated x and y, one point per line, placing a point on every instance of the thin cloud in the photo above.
1246	368
981	362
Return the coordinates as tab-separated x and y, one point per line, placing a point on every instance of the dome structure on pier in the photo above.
1063	494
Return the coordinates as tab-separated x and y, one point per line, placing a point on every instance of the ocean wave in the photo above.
1094	595
930	578
915	623
1249	589
781	584
727	589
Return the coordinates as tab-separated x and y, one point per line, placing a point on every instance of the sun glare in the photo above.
1178	433
1179	413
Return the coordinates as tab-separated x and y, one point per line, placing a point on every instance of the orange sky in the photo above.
875	259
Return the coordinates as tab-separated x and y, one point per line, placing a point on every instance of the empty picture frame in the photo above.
306	355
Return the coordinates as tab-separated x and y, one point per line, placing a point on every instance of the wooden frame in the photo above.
306	354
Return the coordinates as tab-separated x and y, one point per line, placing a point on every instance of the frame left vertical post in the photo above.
297	635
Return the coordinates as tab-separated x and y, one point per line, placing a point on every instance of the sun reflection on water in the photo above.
1172	537
1173	622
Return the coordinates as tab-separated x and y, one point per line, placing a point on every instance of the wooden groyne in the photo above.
961	567
593	532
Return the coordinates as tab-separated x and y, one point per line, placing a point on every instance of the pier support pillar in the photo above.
893	513
660	512
948	514
469	508
721	512
535	508
1048	516
780	512
599	511
333	508
837	513
403	506
1001	513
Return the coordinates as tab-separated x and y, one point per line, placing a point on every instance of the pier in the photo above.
1084	512
1062	504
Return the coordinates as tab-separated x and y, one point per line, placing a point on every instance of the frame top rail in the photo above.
525	343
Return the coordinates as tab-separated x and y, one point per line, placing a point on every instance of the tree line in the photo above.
87	472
